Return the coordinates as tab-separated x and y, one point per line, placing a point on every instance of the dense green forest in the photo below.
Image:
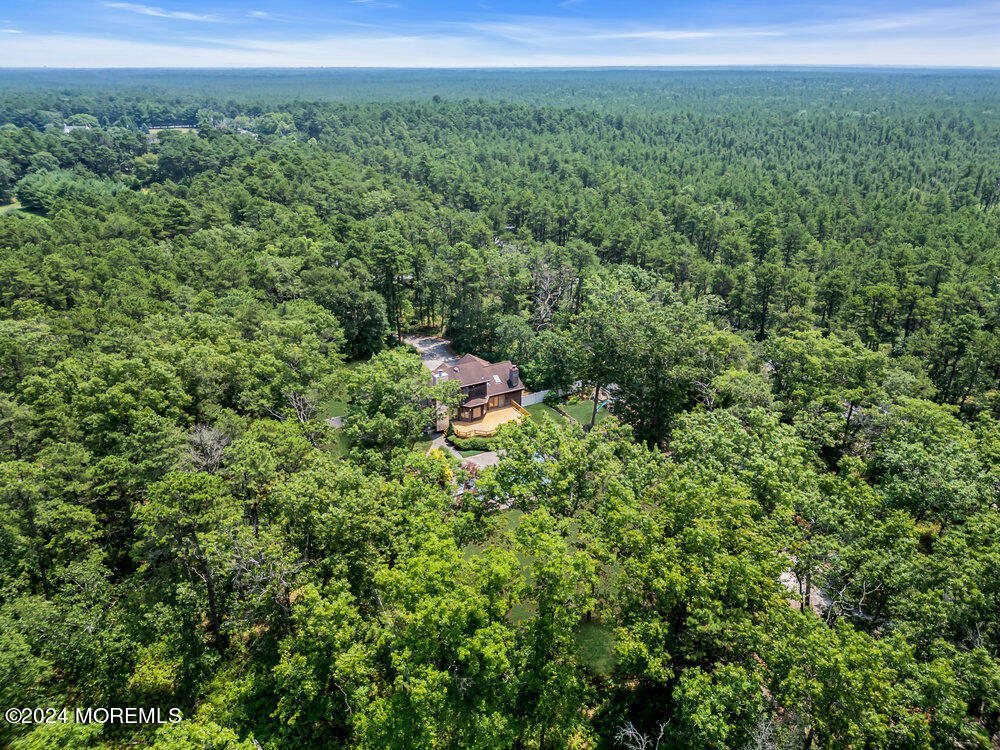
782	532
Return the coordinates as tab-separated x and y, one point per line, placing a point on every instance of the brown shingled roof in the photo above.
470	370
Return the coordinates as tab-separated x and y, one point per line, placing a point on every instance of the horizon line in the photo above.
761	67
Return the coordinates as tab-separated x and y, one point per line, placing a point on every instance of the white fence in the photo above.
530	399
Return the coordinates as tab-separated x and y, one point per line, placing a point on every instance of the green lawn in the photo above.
541	412
336	408
506	521
582	410
17	208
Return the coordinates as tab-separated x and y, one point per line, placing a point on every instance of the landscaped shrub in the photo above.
470	444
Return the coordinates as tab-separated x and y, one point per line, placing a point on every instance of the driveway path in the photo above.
487	458
440	443
482	460
434	351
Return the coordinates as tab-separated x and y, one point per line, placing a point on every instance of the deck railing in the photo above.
470	433
474	430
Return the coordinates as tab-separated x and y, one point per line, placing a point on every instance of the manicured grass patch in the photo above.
522	611
506	520
541	412
595	641
17	209
581	411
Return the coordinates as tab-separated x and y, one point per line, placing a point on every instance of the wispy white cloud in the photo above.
11	31
263	15
451	51
938	21
676	35
548	31
943	36
375	3
152	10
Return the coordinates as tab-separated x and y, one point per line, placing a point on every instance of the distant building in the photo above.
67	129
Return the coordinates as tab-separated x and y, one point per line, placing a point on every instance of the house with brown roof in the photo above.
492	393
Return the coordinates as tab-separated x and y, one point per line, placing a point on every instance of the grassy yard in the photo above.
541	412
336	408
17	208
582	411
338	446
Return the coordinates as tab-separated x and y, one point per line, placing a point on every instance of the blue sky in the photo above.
494	33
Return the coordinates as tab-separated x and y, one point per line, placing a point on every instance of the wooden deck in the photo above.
488	424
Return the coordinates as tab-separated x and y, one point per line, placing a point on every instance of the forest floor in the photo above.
10	207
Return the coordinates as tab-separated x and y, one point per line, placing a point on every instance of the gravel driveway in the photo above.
434	351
